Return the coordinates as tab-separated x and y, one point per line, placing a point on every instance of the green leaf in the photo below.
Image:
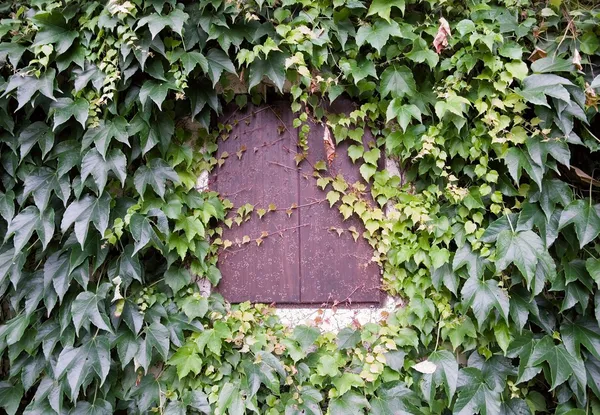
87	210
65	108
42	182
177	278
192	59
195	306
156	22
378	34
346	382
85	310
10	396
76	363
585	218
398	81
372	156
520	248
22	227
272	67
583	331
552	64
218	62
347	338
382	8
355	152
351	403
367	171
191	226
512	50
187	360
446	373
483	296
517	69
53	30
478	394
157	337
103	134
57	272
305	336
465	26
562	363
93	163
404	113
156	91
27	86
36	133
155	173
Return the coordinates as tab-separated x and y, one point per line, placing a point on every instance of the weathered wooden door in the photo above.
298	259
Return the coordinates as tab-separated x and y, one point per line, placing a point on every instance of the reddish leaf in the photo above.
440	42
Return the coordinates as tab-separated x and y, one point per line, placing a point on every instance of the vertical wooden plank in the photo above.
333	268
265	174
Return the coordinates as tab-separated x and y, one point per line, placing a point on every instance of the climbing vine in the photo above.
489	110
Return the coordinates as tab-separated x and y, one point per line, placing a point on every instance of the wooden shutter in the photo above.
301	261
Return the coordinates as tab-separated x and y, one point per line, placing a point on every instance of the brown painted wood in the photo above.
334	267
307	263
269	272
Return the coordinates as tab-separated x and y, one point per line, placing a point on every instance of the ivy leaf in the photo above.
382	8
378	34
93	163
10	397
585	218
57	272
76	363
27	86
37	133
562	363
85	310
87	210
446	373
187	360
520	248
11	52
195	306
155	173
347	338
483	296
218	62
157	337
53	30
7	205
142	232
398	81
583	331
65	108
346	382
355	152
367	171
305	336
477	393
41	182
273	67
192	59
393	398
155	90
404	113
177	278
156	22
22	227
104	133
350	403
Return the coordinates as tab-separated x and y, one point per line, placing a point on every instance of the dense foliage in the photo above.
492	240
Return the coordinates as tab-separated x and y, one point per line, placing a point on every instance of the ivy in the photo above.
488	230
